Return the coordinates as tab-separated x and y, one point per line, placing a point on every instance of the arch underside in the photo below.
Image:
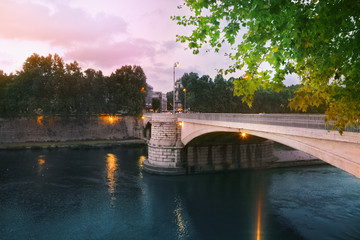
343	155
146	121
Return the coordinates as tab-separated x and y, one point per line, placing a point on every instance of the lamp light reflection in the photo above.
181	224
259	210
111	167
41	162
140	164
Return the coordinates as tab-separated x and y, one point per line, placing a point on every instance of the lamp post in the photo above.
175	65
184	90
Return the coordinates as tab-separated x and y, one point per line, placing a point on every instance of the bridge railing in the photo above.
313	121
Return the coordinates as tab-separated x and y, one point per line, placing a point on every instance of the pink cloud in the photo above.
62	26
114	54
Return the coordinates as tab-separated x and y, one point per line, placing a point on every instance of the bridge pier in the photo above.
165	149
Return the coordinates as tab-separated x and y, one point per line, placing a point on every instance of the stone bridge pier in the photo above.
165	149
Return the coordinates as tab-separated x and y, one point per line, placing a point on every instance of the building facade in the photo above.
163	100
149	96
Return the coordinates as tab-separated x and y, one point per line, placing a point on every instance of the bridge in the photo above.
170	134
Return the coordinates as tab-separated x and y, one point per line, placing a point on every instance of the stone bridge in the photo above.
170	134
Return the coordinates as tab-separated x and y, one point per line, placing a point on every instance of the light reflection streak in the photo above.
259	211
111	166
181	224
41	162
140	164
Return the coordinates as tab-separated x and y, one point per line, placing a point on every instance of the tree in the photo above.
4	81
47	86
317	40
156	103
207	95
96	91
33	90
127	90
169	98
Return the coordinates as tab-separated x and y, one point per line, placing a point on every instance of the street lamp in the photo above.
175	65
184	90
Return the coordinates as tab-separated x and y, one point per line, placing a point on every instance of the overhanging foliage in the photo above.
317	40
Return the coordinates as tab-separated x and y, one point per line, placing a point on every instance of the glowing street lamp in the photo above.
176	64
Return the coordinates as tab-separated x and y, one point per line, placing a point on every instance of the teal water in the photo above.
103	194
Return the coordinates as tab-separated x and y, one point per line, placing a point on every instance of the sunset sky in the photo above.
104	35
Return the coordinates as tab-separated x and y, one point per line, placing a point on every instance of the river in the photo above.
104	194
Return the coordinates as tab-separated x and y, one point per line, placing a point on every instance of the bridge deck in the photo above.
312	121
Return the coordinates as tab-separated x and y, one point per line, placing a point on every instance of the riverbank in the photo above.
73	144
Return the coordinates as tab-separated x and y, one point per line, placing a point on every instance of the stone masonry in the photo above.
228	157
165	147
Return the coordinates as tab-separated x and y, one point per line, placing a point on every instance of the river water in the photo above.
103	194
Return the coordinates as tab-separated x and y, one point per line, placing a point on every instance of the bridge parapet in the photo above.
311	121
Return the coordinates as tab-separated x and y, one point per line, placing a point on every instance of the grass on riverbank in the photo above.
72	144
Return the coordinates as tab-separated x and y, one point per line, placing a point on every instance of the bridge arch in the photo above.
147	130
340	151
222	151
191	131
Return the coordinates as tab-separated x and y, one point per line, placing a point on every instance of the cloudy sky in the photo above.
104	35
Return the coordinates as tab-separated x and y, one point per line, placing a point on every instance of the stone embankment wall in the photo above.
58	129
228	157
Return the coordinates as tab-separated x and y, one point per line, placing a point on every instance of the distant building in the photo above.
149	96
1	72
163	100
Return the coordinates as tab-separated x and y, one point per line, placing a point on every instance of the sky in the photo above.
104	35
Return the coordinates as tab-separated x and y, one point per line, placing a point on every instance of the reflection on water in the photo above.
140	164
111	167
41	162
179	219
72	201
141	160
259	210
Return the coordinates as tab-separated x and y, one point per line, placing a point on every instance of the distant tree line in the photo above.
206	95
48	86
